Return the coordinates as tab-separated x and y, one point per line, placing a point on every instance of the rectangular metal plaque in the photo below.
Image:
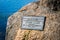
31	22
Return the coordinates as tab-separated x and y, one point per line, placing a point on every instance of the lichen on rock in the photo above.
52	24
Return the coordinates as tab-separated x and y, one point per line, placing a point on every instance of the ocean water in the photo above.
7	8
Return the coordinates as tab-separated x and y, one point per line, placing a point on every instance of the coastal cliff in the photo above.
52	24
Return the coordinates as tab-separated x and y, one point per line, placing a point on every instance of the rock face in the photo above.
52	25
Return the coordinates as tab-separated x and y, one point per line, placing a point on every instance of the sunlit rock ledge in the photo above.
51	29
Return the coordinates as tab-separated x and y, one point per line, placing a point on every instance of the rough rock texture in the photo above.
52	25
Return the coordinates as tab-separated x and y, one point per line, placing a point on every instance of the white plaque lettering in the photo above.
31	22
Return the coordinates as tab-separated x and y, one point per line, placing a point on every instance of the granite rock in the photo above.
51	29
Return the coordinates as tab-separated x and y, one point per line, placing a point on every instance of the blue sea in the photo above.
7	8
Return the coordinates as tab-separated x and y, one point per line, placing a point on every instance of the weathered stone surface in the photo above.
52	25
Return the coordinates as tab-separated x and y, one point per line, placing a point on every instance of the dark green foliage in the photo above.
54	4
